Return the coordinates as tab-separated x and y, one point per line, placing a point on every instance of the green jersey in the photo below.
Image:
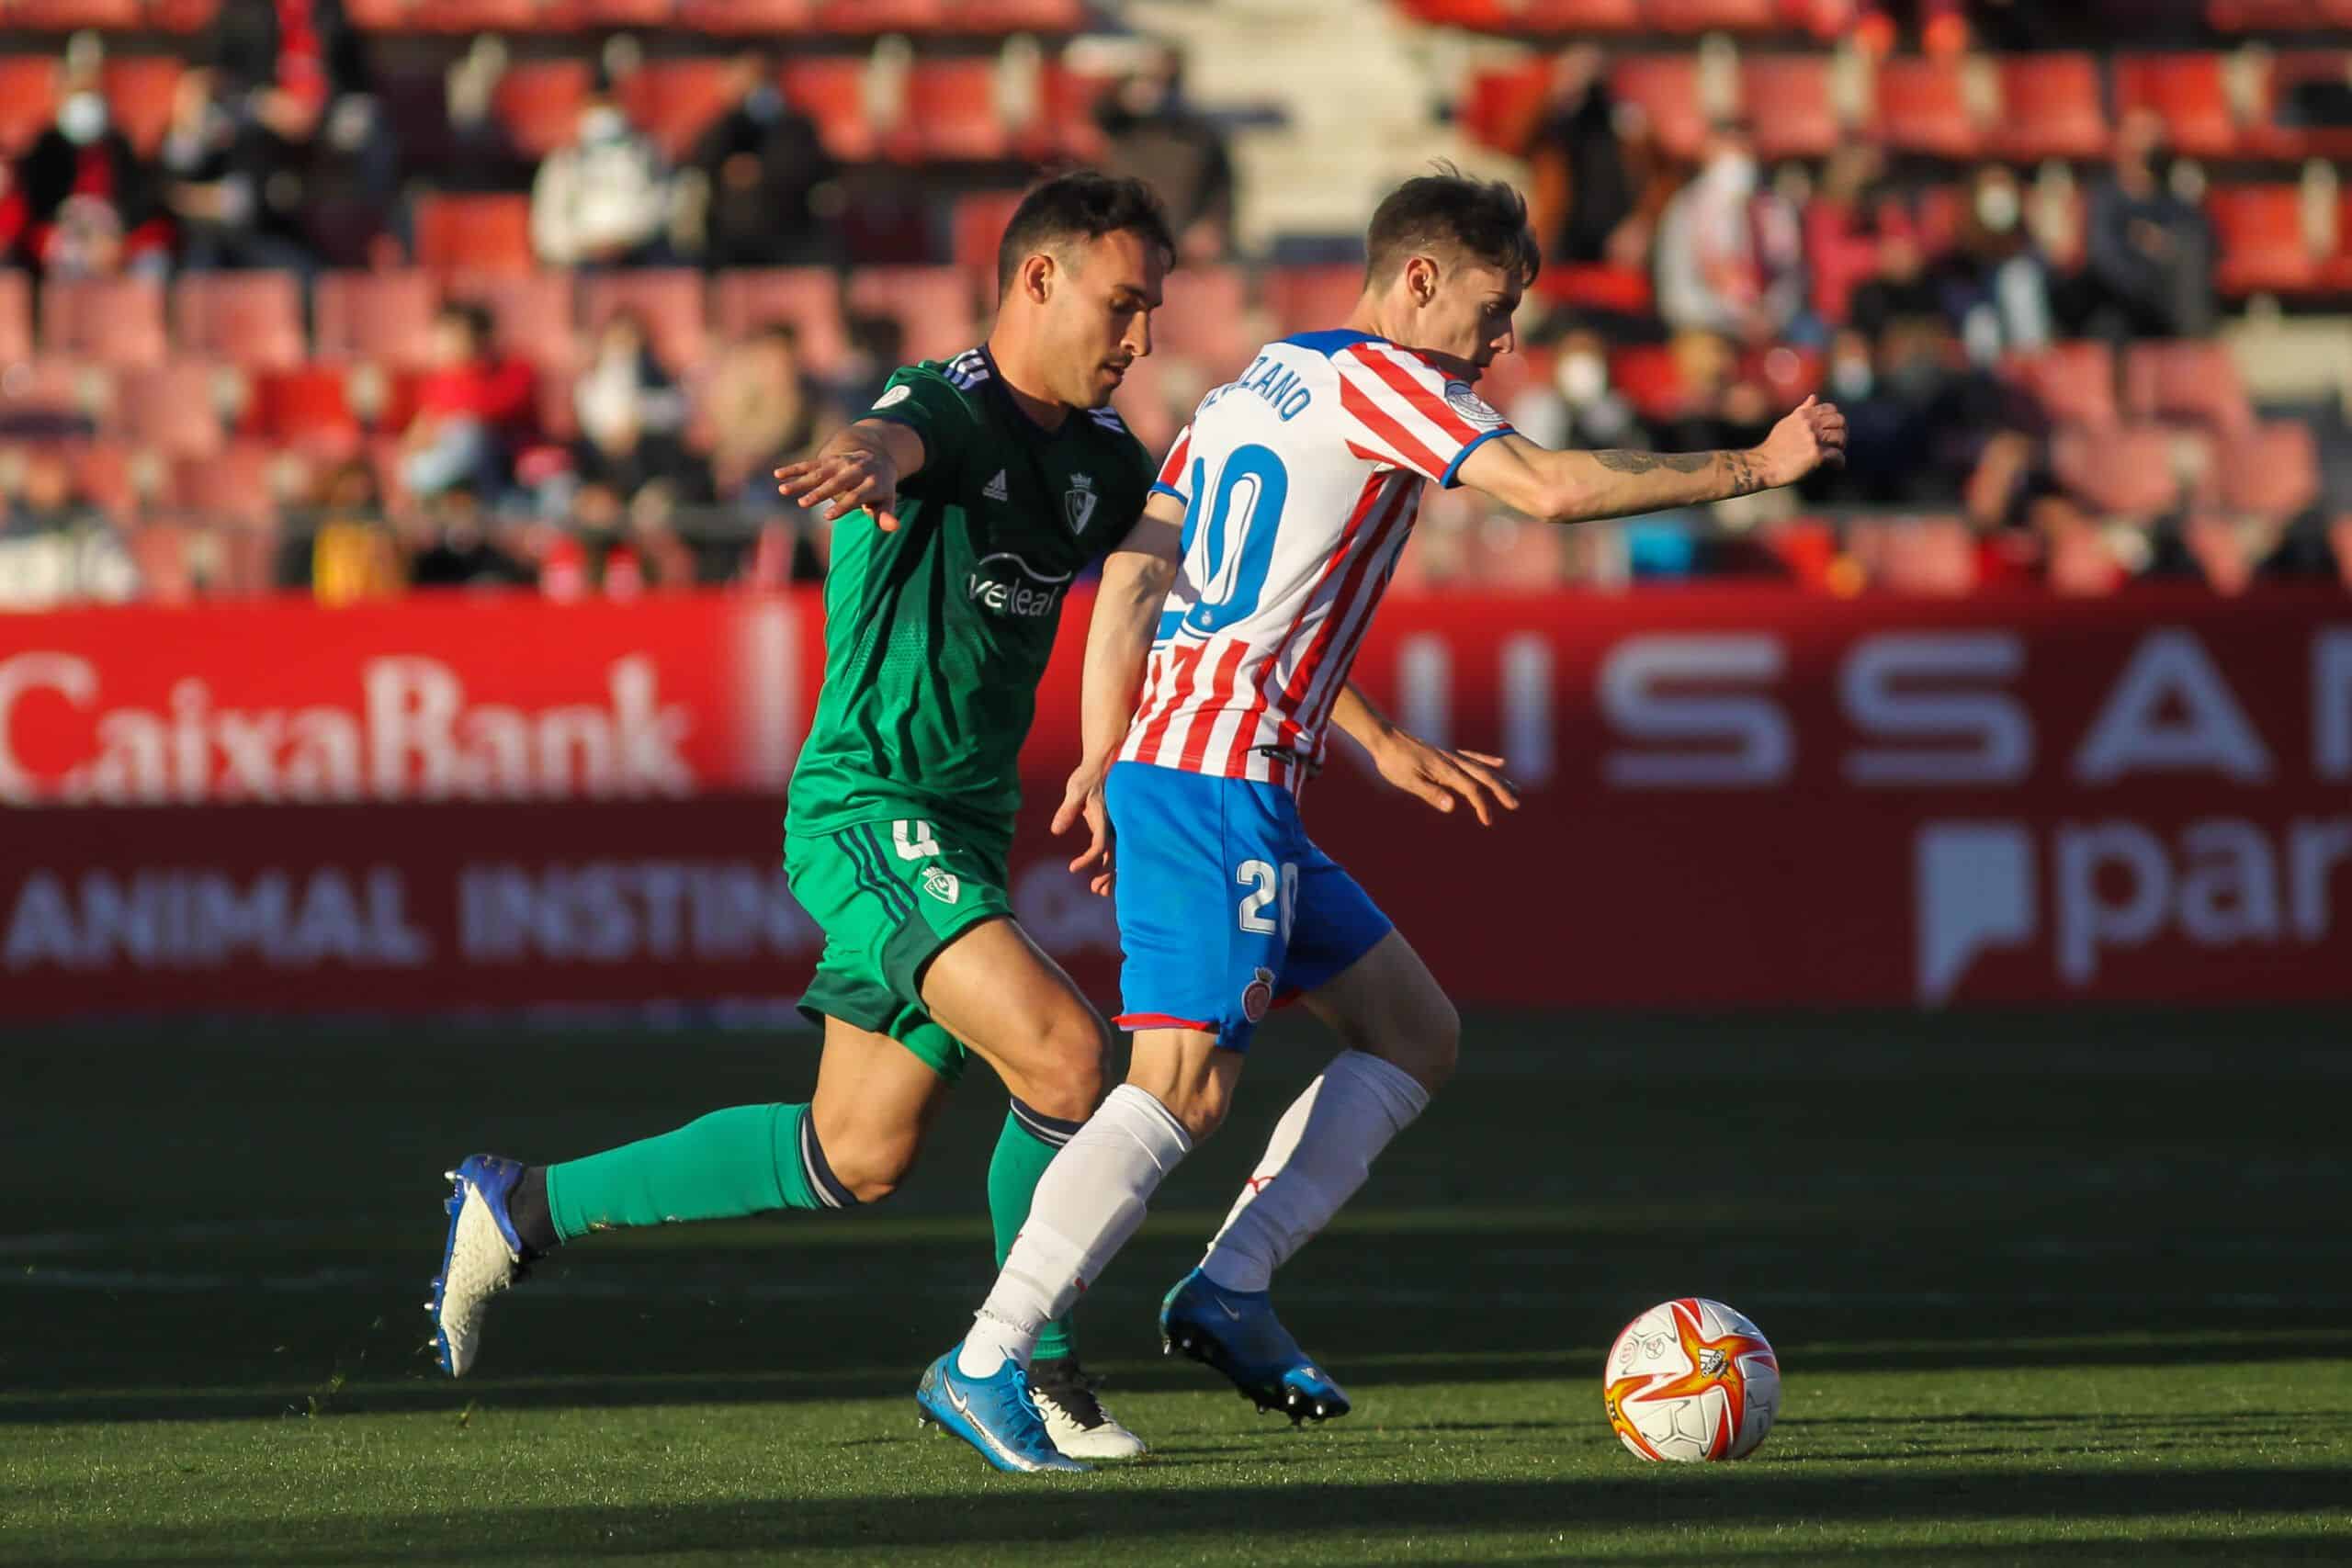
936	635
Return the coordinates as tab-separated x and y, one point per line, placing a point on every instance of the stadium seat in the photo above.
378	316
2125	473
915	18
995	18
1926	556
1312	299
253	319
56	395
2073	382
831	91
170	409
1205	319
74	16
16	316
675	101
1667	88
1714	16
1923	108
539	102
115	321
669	298
1580	15
2336	270
1499	106
952	113
232	486
2260	229
474	233
2191	381
377	16
195	16
531	312
139	90
27	99
809	297
979	226
2050	107
1788	102
478	16
118	477
1065	124
1650	378
2188	93
624	13
746	17
2272	472
308	409
932	305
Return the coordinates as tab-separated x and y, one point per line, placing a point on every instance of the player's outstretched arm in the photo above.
1432	773
861	466
1135	579
1584	487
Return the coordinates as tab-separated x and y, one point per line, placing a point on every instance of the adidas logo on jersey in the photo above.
995	489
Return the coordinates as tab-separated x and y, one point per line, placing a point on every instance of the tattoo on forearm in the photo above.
1745	479
1738	466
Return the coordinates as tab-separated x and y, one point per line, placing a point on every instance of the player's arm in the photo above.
1584	487
1432	773
1135	579
862	464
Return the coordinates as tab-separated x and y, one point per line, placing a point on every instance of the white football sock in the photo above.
1320	1152
1087	1204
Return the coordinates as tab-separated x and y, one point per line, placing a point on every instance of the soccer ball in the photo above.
1691	1380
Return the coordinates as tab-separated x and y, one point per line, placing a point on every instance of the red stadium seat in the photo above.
531	312
478	16
978	226
308	409
1788	102
113	320
1924	556
2051	107
746	17
539	102
1650	378
669	298
624	13
2126	472
2260	229
230	486
1923	108
831	91
2272	471
2073	382
1581	16
16	317
2188	92
475	233
1312	299
194	16
1502	105
2336	272
809	297
56	394
932	305
913	17
1665	87
138	96
118	477
73	15
2196	382
675	101
377	16
253	319
1205	319
379	316
952	113
1715	16
170	409
1065	124
996	18
27	99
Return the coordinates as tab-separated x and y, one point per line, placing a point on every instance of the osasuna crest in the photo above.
941	884
1077	501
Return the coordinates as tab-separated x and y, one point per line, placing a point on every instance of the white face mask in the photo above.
1582	379
1734	174
1851	379
81	118
602	125
1997	208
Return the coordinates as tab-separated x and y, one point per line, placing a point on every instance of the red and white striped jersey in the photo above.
1300	481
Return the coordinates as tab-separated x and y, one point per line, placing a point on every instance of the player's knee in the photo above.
872	1165
1199	1105
1067	1079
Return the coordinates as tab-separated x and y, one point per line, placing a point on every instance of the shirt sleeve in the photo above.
925	402
1174	474
1398	408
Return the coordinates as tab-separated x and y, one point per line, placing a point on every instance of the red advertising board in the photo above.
1733	796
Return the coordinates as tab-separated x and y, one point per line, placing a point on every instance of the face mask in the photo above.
83	118
1997	208
1582	379
1851	379
1734	174
763	104
602	125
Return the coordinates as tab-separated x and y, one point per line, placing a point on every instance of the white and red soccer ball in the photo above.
1692	1381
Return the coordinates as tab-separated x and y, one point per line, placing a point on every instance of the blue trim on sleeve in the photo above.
1447	480
1329	343
1181	498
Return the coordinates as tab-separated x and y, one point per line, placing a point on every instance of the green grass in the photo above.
2046	1289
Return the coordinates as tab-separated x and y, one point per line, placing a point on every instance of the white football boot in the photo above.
1075	1419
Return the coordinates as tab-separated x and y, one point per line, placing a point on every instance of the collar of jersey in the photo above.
996	390
1329	343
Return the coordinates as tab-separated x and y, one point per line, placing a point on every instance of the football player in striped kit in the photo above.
1235	608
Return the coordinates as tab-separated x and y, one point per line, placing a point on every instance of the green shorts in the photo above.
889	896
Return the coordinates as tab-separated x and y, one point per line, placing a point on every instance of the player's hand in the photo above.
858	477
1083	802
1811	436
1440	777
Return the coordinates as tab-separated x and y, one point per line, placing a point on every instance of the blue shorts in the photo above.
1225	905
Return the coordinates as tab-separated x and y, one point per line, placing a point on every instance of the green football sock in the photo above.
1023	1150
752	1160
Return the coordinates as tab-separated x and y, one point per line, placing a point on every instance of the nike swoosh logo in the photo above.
1228	1312
963	1406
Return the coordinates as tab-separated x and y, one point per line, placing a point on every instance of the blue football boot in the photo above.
1237	1333
994	1413
481	1257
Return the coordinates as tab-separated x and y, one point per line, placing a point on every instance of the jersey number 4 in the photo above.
1229	535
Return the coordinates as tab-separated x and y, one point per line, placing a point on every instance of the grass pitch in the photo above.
2046	1289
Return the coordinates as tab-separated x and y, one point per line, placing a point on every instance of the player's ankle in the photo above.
527	1211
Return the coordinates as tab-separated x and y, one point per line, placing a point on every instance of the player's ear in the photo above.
1421	279
1038	274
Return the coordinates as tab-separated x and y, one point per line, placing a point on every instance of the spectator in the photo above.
56	545
1997	285
1157	137
765	411
348	553
208	182
1849	217
767	180
458	550
1729	256
603	201
91	205
473	408
625	385
2150	265
314	142
1591	166
1579	407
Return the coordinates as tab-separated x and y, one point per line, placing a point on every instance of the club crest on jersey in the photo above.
1077	501
1462	399
1257	996
1008	585
941	885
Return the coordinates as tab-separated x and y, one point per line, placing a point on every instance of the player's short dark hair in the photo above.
1447	209
1080	204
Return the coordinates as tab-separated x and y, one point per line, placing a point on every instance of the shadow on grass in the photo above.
1010	1514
